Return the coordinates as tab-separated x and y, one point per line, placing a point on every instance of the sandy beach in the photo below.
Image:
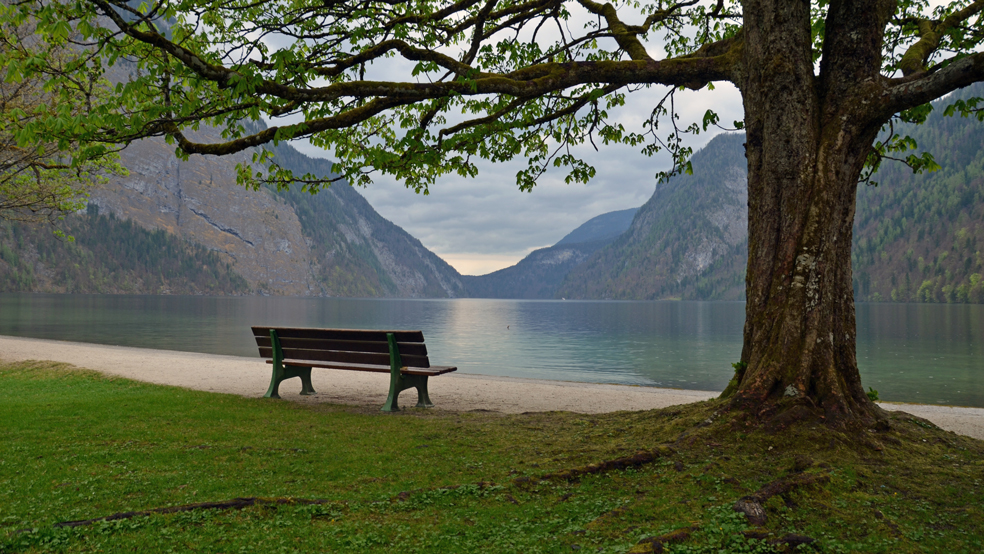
455	391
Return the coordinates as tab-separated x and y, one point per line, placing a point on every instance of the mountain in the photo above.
603	227
688	240
539	274
917	238
354	251
187	228
109	256
278	243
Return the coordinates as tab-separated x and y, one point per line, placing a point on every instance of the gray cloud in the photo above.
482	224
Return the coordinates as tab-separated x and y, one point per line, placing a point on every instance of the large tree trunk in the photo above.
806	147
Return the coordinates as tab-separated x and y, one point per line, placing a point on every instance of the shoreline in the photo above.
249	377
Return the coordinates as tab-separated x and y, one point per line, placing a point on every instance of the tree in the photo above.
496	79
38	179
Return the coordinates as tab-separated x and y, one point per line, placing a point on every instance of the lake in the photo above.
925	353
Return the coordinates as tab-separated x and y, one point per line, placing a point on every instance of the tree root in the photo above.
787	542
234	504
635	460
573	474
751	505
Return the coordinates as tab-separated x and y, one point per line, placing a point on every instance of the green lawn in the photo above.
77	446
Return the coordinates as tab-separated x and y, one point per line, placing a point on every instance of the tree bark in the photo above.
806	144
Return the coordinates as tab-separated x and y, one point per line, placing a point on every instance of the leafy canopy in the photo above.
419	89
40	179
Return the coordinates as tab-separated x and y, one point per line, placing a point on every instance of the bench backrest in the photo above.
352	346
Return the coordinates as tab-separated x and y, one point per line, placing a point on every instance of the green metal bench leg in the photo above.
396	377
278	366
418	382
400	382
394	393
307	388
275	379
289	372
281	371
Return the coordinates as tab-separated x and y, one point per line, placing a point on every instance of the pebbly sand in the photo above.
454	392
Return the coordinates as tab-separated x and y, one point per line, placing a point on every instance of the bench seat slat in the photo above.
371	335
346	357
435	370
299	350
406	348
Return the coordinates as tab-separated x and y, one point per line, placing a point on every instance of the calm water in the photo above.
908	352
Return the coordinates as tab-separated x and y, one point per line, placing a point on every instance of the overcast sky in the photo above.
483	224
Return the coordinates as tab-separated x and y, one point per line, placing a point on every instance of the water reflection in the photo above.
908	352
923	352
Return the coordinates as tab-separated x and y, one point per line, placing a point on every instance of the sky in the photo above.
482	224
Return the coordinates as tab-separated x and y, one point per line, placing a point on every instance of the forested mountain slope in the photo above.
687	241
917	238
281	243
109	256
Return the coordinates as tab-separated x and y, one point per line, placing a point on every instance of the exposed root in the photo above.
751	505
234	504
636	460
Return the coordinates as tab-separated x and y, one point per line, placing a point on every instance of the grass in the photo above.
75	445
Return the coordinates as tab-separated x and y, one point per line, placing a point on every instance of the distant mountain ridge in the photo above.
362	253
606	226
917	238
691	228
187	228
540	273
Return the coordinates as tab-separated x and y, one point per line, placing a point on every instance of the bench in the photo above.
402	354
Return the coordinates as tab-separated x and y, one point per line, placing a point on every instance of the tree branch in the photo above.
930	34
920	88
340	121
627	39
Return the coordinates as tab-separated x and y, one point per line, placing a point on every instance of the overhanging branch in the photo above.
918	89
930	34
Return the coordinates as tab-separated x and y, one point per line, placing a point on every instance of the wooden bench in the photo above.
402	354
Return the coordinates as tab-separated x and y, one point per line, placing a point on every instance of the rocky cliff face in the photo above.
354	251
688	241
282	243
198	200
